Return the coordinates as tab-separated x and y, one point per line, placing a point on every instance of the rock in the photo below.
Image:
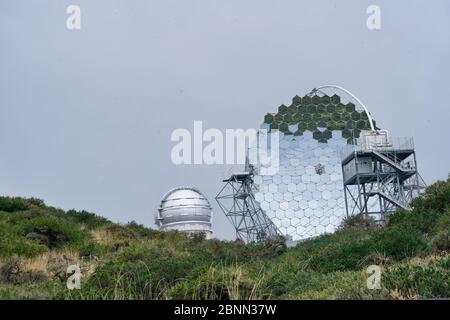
46	236
41	238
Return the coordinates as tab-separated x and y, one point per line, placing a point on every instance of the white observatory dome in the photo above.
185	209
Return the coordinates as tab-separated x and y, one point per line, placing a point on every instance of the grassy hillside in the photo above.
38	243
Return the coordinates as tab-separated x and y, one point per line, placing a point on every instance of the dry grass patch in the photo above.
49	265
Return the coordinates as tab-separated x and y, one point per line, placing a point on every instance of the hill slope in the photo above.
38	243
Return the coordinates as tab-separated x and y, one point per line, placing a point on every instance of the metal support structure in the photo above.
380	180
236	199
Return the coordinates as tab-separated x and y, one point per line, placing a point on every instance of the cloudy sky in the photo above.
86	115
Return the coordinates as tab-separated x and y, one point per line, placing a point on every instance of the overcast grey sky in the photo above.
86	116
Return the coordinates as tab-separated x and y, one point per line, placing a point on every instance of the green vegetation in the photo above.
38	243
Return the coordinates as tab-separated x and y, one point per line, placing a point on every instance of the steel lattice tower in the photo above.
236	199
380	176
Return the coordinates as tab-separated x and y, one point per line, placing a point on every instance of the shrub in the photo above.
421	221
17	218
21	247
90	220
34	291
440	243
408	281
284	282
398	242
353	286
140	229
436	197
347	255
218	283
66	232
139	272
361	221
92	249
197	237
443	223
10	204
12	244
446	263
343	250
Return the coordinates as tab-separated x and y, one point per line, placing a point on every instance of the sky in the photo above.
86	115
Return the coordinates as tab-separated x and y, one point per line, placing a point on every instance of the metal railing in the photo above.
393	143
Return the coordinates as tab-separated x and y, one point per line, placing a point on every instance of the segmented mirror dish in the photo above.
305	197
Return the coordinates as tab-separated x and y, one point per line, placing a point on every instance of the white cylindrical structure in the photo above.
185	209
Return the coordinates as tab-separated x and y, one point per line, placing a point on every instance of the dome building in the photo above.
185	209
